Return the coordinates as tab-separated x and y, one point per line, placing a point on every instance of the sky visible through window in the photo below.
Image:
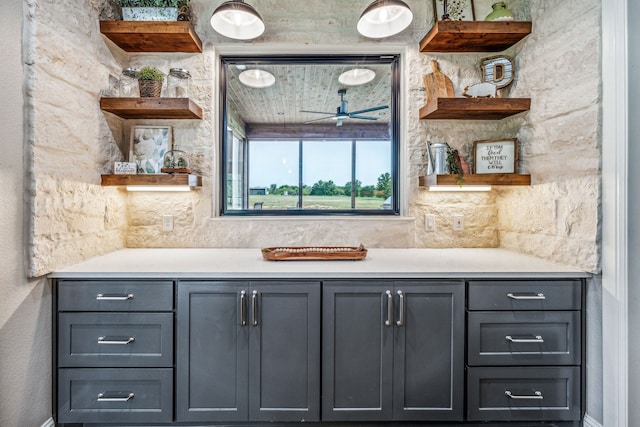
277	162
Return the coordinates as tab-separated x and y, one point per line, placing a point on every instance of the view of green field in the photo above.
274	201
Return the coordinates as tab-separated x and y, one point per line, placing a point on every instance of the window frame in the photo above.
394	62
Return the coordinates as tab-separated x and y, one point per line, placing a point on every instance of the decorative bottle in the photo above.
500	13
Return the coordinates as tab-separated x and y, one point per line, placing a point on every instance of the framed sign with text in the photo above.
495	156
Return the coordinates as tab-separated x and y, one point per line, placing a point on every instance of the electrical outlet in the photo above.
167	222
458	223
430	222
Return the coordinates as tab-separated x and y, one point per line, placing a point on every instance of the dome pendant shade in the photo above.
237	20
384	18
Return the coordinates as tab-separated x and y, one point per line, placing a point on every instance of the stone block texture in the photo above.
70	65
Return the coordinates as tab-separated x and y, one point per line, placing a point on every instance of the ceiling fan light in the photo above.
237	20
356	77
384	18
257	78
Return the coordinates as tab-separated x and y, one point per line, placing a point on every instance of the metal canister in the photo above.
178	83
437	159
128	87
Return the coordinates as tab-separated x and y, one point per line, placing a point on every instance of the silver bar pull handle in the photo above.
400	321
535	339
389	320
106	297
115	396
243	314
538	296
116	340
536	396
254	308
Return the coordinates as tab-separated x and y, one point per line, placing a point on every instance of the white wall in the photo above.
25	305
634	209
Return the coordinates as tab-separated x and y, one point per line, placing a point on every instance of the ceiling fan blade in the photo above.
316	112
382	107
317	120
362	117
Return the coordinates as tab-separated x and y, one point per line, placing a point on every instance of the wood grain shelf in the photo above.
152	36
152	179
476	179
152	108
474	36
474	108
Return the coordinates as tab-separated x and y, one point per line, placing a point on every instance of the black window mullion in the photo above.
300	183
353	174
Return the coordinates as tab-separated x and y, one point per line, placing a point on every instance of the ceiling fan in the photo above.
342	112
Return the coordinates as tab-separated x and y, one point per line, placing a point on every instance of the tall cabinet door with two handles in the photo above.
393	350
248	351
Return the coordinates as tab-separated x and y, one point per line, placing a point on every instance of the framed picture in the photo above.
148	146
495	156
458	10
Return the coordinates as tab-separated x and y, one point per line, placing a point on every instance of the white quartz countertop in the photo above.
379	263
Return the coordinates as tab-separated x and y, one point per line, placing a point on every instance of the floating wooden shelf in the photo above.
152	179
474	36
474	108
476	179
152	36
152	108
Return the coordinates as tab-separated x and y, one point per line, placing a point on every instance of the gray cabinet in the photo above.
114	351
524	350
393	350
248	351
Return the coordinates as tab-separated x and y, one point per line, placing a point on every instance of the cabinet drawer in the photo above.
115	339
115	395
115	295
525	295
524	338
524	394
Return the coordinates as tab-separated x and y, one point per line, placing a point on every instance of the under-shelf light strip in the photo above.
460	188
158	188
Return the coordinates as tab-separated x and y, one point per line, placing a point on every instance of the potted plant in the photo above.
150	82
151	10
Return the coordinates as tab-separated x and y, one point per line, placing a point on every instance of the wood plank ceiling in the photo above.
307	87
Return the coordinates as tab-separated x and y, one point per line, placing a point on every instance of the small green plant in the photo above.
152	3
453	165
150	73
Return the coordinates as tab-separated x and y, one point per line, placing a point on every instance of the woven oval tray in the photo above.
318	253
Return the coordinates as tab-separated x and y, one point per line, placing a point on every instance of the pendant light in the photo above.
257	78
356	77
384	18
237	20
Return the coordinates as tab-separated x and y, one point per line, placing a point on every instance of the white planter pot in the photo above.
149	13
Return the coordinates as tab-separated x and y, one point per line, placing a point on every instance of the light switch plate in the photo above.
167	222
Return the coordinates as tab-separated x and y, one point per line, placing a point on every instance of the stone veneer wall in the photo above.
73	141
70	140
556	218
559	67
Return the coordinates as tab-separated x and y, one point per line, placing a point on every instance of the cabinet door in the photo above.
284	351
211	352
428	380
357	350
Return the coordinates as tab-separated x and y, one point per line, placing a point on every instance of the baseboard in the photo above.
590	422
49	423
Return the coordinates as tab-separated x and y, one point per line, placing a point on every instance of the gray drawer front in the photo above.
558	399
525	295
115	295
524	338
79	391
115	339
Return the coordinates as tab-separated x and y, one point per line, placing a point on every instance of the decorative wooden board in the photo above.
476	179
316	253
152	179
152	36
474	36
474	108
437	84
152	108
